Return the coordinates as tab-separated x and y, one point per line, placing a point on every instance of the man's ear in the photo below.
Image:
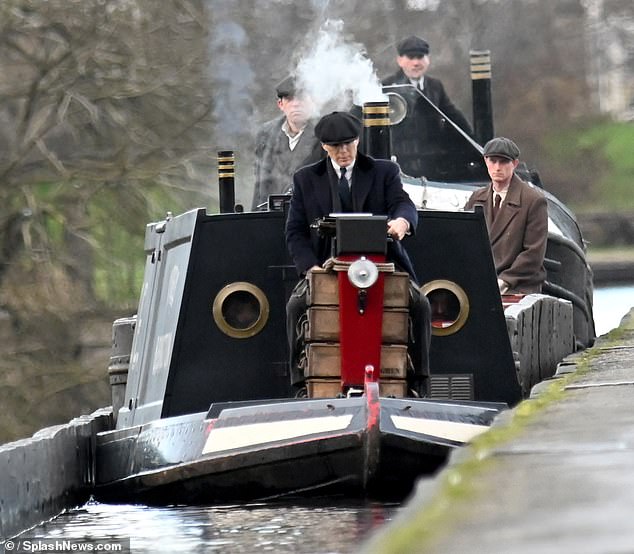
279	104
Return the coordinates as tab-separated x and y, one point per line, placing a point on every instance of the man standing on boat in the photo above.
516	215
364	185
414	136
284	144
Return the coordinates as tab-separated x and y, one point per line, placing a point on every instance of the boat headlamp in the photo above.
398	107
363	273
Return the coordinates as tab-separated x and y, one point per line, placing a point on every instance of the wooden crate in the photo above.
330	388
393	387
323	388
323	325
324	360
323	289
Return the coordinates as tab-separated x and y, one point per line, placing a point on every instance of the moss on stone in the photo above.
457	484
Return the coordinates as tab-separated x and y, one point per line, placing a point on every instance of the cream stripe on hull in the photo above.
229	438
450	430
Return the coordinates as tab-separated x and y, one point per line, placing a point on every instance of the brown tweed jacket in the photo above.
518	235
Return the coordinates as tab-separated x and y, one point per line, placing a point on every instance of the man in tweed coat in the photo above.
518	227
283	145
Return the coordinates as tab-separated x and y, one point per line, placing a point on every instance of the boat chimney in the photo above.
481	92
226	181
377	135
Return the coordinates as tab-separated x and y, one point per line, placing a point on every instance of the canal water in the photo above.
610	305
326	527
315	527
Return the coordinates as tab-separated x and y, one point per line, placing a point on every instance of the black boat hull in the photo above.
363	446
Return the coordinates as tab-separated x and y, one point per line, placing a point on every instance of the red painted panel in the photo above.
360	333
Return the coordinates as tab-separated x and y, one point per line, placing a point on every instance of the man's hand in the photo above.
398	228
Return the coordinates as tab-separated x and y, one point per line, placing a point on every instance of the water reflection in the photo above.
610	305
307	526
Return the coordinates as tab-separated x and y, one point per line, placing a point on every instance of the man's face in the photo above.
297	109
414	66
500	169
343	154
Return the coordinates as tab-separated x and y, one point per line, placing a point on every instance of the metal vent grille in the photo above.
458	386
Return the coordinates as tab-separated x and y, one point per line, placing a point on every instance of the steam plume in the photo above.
336	73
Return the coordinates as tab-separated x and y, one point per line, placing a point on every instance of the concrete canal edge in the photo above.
49	472
430	513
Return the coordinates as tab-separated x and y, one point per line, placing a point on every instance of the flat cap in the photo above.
337	128
503	147
286	87
412	46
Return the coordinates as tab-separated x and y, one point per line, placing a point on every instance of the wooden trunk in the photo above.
323	325
324	360
330	388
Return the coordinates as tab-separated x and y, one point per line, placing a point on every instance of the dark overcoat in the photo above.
376	189
435	91
518	235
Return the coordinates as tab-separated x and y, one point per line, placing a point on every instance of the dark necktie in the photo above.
344	192
496	205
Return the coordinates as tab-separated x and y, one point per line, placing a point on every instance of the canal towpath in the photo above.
553	475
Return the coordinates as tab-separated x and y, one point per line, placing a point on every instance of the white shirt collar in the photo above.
420	83
501	193
337	169
292	139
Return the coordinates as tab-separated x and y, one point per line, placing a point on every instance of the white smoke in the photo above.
336	73
232	76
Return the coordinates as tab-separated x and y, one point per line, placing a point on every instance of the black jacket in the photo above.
376	189
435	91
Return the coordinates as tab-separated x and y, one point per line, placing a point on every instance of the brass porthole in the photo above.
449	306
241	310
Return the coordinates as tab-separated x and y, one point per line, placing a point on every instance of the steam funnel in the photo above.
226	181
481	92
377	135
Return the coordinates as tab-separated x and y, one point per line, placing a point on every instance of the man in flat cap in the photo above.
516	215
409	138
284	144
348	181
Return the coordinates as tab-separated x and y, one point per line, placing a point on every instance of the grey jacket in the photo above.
275	162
